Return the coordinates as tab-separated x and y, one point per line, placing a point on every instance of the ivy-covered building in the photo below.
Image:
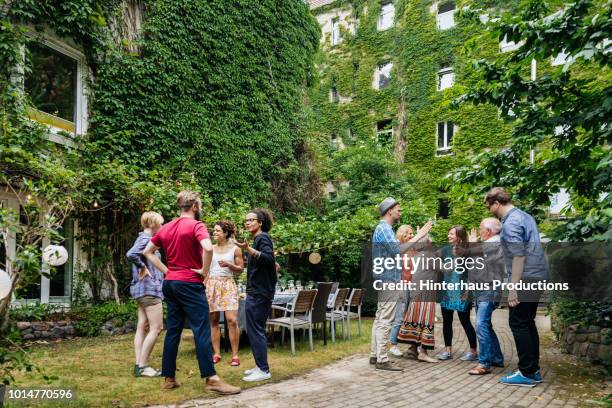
115	106
388	72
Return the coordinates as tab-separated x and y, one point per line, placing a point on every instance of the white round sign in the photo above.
55	255
5	284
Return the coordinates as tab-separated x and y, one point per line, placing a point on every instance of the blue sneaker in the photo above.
537	377
517	378
469	356
445	355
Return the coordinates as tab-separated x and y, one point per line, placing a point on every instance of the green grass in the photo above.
99	369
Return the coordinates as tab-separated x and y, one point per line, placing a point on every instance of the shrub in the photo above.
91	318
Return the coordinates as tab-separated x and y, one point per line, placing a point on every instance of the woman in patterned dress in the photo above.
221	289
418	326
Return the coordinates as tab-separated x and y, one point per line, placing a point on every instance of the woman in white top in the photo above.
221	289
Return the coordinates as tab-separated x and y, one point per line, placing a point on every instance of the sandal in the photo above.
216	359
479	370
235	362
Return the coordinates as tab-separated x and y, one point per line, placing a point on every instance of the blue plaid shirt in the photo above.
386	245
149	285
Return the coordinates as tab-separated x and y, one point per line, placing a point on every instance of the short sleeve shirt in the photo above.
180	241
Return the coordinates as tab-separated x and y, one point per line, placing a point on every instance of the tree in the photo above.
562	115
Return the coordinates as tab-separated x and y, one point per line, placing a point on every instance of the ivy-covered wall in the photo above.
213	97
207	95
417	49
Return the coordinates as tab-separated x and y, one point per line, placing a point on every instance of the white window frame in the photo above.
12	202
446	20
387	133
508	46
377	74
446	148
81	103
561	59
386	19
336	36
443	72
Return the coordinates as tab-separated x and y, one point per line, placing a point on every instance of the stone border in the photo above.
591	343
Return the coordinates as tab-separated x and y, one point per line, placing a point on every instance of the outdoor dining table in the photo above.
280	298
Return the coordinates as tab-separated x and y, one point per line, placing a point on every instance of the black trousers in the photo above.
464	318
525	332
257	309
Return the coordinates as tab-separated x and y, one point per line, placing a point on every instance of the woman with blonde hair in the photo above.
221	289
146	289
403	234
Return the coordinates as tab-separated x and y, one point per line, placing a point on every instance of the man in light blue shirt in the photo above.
386	247
526	263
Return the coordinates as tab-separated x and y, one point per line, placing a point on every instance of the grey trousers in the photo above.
388	302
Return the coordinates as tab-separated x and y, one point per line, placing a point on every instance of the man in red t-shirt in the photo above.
188	249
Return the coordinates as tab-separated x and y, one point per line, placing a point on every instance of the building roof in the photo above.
319	3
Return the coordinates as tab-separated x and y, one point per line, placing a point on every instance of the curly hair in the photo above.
264	217
228	228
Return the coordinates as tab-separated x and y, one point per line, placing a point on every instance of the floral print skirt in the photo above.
222	294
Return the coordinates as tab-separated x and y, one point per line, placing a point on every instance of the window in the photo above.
335	31
561	59
384	132
334	97
446	77
55	86
387	15
383	75
559	202
444	136
507	46
446	16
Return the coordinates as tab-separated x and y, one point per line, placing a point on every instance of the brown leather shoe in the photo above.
387	366
372	360
221	387
170	384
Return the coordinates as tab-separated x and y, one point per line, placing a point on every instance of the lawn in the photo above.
99	369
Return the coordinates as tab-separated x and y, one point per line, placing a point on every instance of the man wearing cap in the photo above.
385	245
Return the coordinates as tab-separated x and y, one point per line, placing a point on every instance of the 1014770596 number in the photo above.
13	393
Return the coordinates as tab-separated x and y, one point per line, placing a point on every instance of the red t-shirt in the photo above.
180	240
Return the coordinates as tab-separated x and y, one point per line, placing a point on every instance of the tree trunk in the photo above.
127	28
111	275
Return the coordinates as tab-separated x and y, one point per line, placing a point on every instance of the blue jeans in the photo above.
257	309
185	299
490	351
399	318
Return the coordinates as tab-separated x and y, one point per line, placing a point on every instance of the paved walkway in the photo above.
353	383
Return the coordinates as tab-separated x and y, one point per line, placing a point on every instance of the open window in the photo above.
55	86
382	76
384	132
446	15
446	77
387	15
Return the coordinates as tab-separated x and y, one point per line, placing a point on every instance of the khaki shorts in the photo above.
147	301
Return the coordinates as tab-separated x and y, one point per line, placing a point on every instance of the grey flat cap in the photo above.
386	205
